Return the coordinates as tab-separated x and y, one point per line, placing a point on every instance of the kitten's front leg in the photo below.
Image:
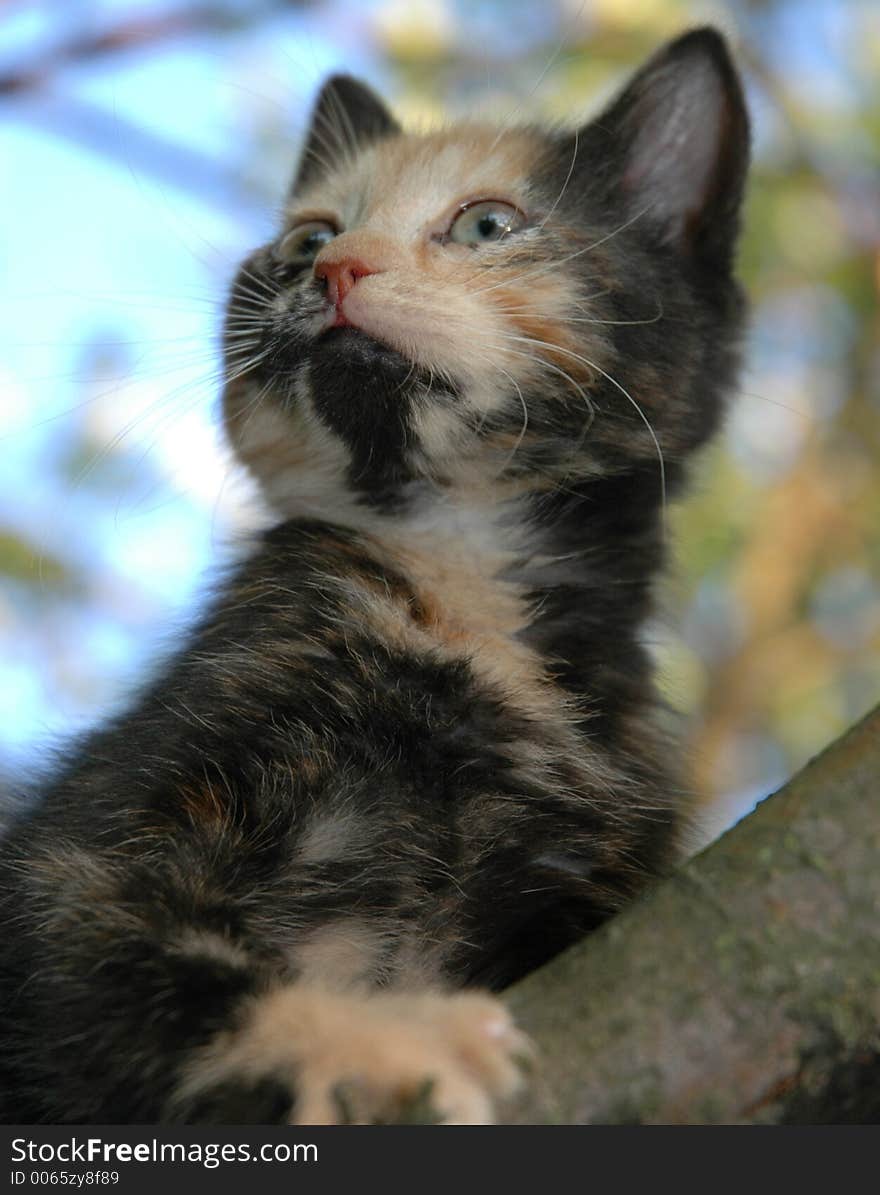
360	1058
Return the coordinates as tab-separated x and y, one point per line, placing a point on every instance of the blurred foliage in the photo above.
19	562
771	646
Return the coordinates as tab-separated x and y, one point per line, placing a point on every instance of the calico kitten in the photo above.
412	747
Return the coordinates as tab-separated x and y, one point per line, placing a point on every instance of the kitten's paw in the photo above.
415	1059
373	1059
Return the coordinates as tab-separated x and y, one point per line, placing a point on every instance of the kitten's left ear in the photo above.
676	145
346	116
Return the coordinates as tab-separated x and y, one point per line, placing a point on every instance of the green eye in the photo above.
303	244
482	223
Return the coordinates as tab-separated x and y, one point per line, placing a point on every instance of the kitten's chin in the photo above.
356	357
363	392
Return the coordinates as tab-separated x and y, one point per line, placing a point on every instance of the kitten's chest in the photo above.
458	562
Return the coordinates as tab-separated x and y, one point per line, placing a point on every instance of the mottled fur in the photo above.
414	744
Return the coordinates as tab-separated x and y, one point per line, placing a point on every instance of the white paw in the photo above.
372	1058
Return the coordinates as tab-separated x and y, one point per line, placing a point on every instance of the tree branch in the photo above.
134	33
746	988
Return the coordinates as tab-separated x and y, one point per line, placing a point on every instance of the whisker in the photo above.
523	429
538	271
548	66
564	187
622	389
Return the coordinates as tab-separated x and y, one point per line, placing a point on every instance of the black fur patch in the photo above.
362	390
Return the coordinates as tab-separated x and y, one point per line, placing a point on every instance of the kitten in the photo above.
413	745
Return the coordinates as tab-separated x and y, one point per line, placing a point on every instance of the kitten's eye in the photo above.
480	223
302	244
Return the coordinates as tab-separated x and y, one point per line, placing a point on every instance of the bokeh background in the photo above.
143	149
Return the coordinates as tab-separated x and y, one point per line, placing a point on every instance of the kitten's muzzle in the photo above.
337	279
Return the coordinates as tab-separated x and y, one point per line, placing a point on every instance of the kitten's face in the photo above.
425	362
461	307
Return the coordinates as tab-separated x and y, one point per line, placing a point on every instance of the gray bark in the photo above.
745	988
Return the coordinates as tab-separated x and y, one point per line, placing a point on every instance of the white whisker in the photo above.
622	389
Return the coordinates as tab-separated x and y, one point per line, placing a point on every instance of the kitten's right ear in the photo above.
347	115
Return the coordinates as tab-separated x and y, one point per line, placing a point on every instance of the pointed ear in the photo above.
346	116
678	141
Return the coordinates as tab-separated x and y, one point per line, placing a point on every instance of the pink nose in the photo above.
340	276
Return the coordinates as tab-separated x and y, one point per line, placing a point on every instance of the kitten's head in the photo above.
503	306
